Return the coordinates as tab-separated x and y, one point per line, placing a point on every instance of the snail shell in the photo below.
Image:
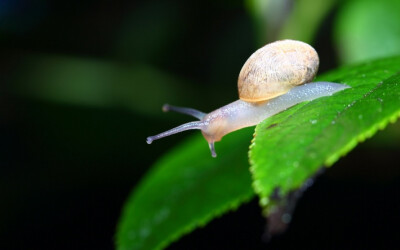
274	69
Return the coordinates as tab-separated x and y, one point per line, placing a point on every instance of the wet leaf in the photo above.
317	133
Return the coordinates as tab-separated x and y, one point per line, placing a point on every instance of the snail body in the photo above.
274	78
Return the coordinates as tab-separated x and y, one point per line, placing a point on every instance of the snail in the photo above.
274	78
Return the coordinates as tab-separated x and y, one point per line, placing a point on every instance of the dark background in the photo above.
82	83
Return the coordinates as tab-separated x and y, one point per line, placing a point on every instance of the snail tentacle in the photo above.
187	111
183	127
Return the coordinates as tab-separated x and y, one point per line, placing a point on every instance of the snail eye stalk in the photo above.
187	111
183	127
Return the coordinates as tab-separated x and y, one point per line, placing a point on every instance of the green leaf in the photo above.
186	189
368	29
292	146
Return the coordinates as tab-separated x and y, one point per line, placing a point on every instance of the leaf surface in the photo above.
292	146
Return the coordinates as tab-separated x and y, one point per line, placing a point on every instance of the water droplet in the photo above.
264	201
286	218
164	212
360	117
296	164
144	232
333	122
313	121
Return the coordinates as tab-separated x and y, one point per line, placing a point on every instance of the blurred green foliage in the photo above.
298	20
368	29
95	83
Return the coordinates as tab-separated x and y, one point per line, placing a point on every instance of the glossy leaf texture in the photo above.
292	146
186	189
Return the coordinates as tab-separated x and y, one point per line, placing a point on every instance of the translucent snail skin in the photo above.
274	78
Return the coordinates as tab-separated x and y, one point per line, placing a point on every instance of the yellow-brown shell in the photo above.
275	68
